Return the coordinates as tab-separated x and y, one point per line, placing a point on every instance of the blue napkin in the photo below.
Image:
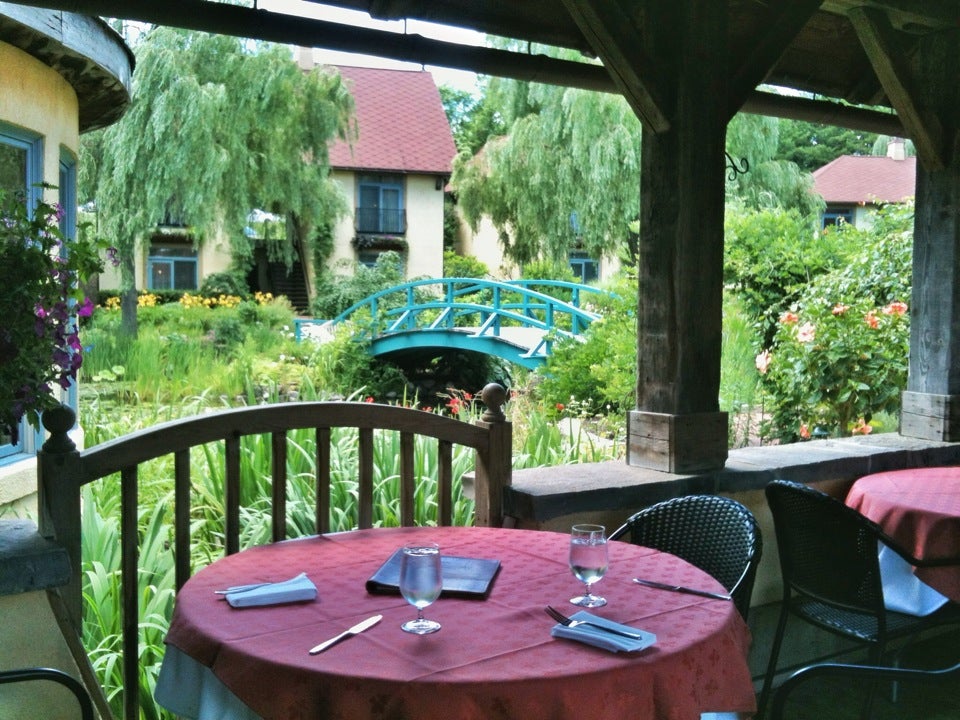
296	589
601	638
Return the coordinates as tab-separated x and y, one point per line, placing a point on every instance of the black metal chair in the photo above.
831	574
57	676
860	674
717	534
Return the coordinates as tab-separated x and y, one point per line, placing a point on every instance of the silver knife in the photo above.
358	628
681	589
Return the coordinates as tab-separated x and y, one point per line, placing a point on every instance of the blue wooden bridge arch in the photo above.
516	320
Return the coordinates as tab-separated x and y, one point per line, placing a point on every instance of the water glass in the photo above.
588	561
420	583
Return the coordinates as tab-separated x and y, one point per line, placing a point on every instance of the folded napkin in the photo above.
902	590
602	638
295	589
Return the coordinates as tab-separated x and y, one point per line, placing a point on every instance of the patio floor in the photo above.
827	699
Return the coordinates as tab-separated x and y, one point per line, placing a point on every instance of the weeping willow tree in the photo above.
217	127
566	173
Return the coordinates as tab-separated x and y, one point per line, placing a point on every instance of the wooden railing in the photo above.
63	470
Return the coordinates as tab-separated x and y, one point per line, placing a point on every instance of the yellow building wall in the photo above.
34	97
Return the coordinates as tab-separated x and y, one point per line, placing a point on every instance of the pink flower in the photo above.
861	428
804	431
806	333
895	308
871	319
560	407
763	362
369	399
789	318
840	309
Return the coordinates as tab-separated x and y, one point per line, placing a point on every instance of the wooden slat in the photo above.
365	478
181	523
323	480
129	562
231	500
444	483
279	487
407	480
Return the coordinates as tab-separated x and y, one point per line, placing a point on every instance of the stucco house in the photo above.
394	172
854	185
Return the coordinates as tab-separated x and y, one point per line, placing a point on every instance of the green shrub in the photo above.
463	266
225	283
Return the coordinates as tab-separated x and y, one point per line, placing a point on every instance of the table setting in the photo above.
283	649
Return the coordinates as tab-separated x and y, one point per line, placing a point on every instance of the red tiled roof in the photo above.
401	125
866	179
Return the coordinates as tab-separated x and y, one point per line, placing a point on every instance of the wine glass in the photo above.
588	561
420	583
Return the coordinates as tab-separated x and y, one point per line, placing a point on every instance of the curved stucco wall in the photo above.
35	98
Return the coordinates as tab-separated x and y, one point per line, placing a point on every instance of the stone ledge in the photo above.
28	561
539	495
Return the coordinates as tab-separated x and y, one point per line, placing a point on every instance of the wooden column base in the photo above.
677	443
930	417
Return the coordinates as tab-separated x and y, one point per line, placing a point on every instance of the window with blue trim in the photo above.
380	207
172	266
21	170
837	216
584	268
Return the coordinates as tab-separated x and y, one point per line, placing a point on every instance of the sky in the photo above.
459	79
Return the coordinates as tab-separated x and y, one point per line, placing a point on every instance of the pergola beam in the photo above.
882	46
617	43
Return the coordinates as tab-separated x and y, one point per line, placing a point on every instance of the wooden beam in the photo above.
616	40
934	14
781	28
882	46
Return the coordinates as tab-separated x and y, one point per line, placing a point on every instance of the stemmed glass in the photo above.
420	583
588	561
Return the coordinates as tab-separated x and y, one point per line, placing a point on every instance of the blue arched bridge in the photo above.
516	320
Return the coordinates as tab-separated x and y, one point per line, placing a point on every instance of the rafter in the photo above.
882	46
610	32
782	28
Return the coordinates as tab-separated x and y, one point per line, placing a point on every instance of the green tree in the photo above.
217	127
813	145
473	118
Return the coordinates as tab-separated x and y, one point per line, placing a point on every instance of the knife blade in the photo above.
358	628
682	589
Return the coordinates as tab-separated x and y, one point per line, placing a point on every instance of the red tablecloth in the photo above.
920	509
494	658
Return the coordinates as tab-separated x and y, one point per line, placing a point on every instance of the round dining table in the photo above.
920	509
494	657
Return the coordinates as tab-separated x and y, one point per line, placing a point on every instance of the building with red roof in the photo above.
854	185
393	171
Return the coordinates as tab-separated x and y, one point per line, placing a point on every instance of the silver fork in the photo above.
570	622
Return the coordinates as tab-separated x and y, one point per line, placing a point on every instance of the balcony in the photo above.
380	220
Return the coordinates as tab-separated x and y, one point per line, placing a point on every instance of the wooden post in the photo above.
677	426
494	467
931	404
59	501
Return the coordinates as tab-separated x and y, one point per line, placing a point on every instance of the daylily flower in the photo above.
861	428
763	362
871	319
840	309
895	308
806	333
789	318
804	431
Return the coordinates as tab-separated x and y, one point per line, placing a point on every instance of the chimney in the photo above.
896	149
305	58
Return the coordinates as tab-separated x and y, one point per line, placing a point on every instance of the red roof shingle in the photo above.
866	179
401	125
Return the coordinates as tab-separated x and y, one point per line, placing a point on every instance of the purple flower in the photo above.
85	309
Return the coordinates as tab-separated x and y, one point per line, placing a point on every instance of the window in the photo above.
21	170
380	208
837	216
584	268
172	266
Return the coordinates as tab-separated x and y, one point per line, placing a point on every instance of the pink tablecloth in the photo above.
494	658
920	509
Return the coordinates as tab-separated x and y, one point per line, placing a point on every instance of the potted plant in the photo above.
41	300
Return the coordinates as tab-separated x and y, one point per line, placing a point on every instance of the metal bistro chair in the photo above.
859	674
831	573
57	676
717	534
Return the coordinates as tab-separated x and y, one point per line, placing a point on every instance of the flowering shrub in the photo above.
833	365
39	302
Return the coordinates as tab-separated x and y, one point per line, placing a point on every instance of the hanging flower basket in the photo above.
40	301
